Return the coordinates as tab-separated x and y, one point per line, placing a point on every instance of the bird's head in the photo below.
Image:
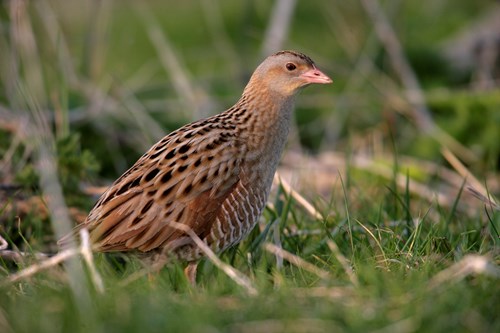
286	72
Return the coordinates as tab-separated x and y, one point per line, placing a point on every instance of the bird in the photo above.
212	176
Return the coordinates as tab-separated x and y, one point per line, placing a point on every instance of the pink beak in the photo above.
316	76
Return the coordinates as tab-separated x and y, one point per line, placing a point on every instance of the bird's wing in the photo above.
184	178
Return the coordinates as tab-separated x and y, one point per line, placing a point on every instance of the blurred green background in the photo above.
121	73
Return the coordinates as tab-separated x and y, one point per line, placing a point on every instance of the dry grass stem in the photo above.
43	265
279	24
238	277
298	198
446	140
484	199
465	173
469	265
195	98
381	248
3	243
295	260
389	39
19	256
56	36
327	164
343	262
40	134
370	165
413	91
141	118
26	52
86	251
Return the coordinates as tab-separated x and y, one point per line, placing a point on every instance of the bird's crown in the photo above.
296	54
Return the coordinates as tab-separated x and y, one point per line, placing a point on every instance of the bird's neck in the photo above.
264	122
267	120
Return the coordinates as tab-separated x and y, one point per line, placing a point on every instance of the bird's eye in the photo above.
290	66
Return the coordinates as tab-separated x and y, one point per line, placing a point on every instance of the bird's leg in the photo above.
190	272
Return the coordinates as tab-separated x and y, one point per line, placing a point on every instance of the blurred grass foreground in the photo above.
384	216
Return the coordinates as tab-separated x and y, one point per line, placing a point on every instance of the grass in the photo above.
381	233
403	280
